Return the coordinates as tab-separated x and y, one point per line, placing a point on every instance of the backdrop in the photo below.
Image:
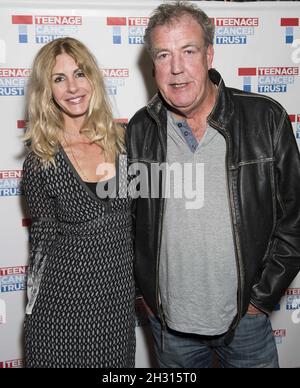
257	49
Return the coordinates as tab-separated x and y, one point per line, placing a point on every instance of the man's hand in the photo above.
253	310
147	308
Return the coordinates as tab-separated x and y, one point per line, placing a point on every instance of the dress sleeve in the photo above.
44	224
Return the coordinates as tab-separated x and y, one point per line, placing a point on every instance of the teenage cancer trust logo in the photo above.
114	79
47	27
295	120
10	183
13	279
235	30
13	82
269	79
135	27
12	364
293	299
279	335
289	24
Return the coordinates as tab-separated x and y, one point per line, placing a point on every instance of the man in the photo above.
212	274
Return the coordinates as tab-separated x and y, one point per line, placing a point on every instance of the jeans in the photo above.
253	346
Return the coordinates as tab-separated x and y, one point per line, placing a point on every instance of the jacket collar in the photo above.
220	115
223	110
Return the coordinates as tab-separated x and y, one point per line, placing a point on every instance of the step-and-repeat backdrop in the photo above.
257	49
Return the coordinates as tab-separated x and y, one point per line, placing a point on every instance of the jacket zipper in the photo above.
162	207
236	238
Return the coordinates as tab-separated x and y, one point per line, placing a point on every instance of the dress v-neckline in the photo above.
83	184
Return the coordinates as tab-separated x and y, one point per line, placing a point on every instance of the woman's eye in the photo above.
58	79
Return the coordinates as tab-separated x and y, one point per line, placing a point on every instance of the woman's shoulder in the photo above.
32	162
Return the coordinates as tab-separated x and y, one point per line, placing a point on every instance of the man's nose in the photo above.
176	64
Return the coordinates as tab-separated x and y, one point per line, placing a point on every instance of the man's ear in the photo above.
210	53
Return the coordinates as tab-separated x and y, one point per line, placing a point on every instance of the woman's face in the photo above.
71	90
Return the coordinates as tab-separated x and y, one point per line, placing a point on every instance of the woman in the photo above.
80	310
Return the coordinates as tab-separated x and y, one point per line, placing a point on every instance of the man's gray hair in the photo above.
166	13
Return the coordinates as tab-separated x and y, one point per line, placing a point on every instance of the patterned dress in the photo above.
80	311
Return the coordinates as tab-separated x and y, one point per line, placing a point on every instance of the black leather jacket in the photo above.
263	171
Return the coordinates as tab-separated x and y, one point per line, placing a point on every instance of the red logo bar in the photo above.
121	121
21	124
279	333
26	222
13	271
247	71
12	364
293	291
115	73
116	21
292	118
21	19
136	21
289	22
11	174
59	20
14	73
278	71
237	22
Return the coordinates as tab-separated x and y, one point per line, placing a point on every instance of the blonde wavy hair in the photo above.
45	119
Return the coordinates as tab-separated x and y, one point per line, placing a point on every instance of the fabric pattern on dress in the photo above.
81	290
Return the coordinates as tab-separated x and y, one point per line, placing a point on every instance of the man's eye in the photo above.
162	56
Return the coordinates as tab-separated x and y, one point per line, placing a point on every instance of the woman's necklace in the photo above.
86	179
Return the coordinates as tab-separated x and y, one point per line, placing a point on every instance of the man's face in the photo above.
181	63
